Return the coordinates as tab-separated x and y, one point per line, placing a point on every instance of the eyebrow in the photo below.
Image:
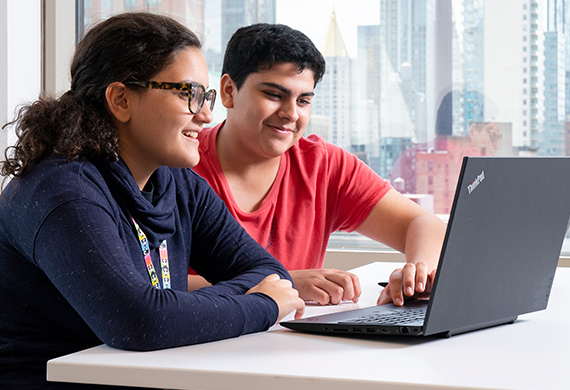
190	82
286	91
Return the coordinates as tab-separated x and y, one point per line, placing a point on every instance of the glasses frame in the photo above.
191	88
495	139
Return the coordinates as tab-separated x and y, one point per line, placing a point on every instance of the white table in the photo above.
532	353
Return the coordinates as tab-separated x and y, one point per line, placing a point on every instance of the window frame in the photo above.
61	30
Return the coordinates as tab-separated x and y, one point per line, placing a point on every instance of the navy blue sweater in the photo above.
74	276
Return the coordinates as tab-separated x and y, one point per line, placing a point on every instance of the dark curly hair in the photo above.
261	46
126	47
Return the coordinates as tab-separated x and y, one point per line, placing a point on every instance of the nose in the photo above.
288	110
205	115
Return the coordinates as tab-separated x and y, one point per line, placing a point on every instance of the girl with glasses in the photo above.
102	216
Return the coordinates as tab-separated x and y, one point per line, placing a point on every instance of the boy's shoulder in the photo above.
313	143
314	146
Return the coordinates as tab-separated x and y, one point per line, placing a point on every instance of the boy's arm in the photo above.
196	282
405	226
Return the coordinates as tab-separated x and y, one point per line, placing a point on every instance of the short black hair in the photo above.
261	46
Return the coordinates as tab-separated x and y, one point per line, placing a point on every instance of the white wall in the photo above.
20	59
59	45
22	77
3	68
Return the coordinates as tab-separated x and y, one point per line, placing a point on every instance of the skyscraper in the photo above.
366	132
239	13
468	65
189	13
551	143
333	96
405	60
514	67
552	140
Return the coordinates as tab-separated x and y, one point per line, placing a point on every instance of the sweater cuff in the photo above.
268	303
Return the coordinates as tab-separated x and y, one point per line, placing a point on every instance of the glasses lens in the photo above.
495	138
196	99
211	98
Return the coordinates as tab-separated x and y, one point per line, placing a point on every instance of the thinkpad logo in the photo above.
471	187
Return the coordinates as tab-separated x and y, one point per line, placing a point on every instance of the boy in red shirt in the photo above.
290	192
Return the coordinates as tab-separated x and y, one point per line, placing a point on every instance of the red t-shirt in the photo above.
320	188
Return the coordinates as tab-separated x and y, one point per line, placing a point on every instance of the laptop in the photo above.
501	249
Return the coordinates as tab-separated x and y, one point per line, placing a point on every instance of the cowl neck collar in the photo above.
156	218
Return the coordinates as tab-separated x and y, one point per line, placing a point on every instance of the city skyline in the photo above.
383	93
313	20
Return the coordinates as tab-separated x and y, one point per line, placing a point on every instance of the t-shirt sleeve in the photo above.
222	251
354	188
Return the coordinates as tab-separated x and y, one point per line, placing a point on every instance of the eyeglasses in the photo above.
197	92
495	139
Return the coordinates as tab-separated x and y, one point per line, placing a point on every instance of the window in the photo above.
20	60
414	118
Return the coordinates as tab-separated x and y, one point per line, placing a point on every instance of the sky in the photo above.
310	16
313	17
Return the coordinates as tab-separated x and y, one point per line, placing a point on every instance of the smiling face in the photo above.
269	112
159	129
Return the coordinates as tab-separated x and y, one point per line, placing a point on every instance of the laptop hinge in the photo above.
452	332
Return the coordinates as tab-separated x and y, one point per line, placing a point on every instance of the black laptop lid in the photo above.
504	237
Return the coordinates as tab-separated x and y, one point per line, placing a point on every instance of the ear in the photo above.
228	90
118	97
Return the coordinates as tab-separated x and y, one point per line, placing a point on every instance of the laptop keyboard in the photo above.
392	317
